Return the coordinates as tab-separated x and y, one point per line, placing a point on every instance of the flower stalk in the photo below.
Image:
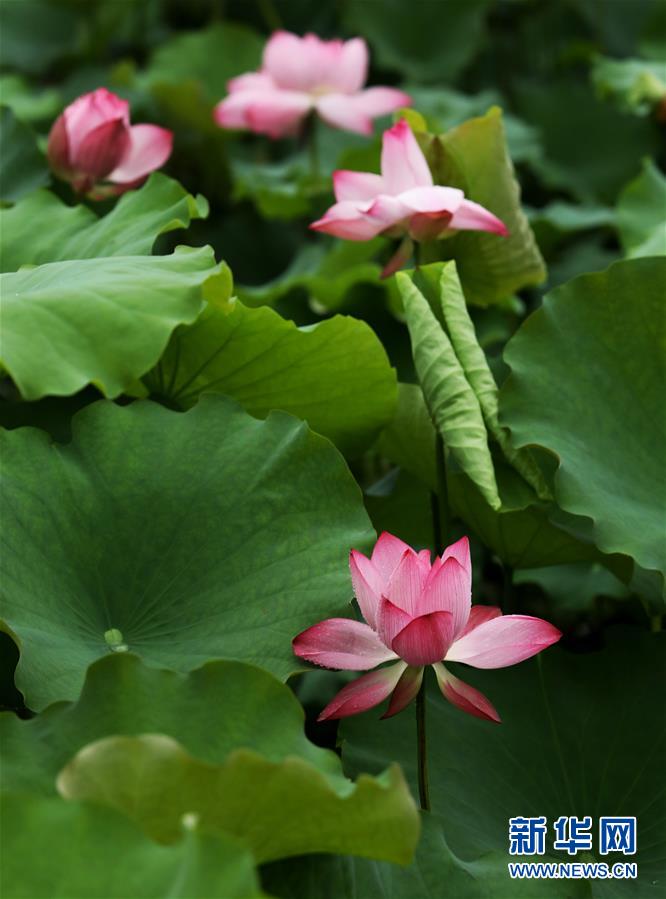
422	747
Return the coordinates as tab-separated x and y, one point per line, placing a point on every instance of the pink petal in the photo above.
57	149
299	63
363	693
407	582
425	639
251	81
387	554
390	621
424	226
340	111
463	696
348	185
102	149
150	148
347	220
351	71
379	101
432	199
504	640
277	113
400	258
368	585
473	217
274	112
448	589
403	163
388	212
89	111
460	551
341	643
407	688
479	614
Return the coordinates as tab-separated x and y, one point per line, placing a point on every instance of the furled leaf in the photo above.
570	723
521	534
453	405
461	330
23	167
640	213
183	537
75	232
100	321
64	850
474	157
334	374
279	809
587	383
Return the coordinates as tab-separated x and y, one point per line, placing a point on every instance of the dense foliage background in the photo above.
150	530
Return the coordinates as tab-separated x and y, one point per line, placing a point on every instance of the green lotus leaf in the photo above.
64	850
183	537
231	753
326	272
474	157
210	711
334	374
579	736
22	168
75	232
427	41
97	321
587	383
640	213
636	85
279	809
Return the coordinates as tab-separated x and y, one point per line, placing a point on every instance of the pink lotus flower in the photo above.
300	75
93	146
402	199
417	614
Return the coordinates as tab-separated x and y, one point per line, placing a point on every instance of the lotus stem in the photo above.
422	747
439	500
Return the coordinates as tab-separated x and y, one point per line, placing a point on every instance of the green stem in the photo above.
422	748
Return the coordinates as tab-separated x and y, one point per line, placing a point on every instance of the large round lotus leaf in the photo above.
210	711
183	537
96	321
75	232
588	379
580	735
64	850
279	809
334	374
230	741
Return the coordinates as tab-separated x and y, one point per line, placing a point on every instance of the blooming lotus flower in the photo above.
300	75
93	146
417	614
402	200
